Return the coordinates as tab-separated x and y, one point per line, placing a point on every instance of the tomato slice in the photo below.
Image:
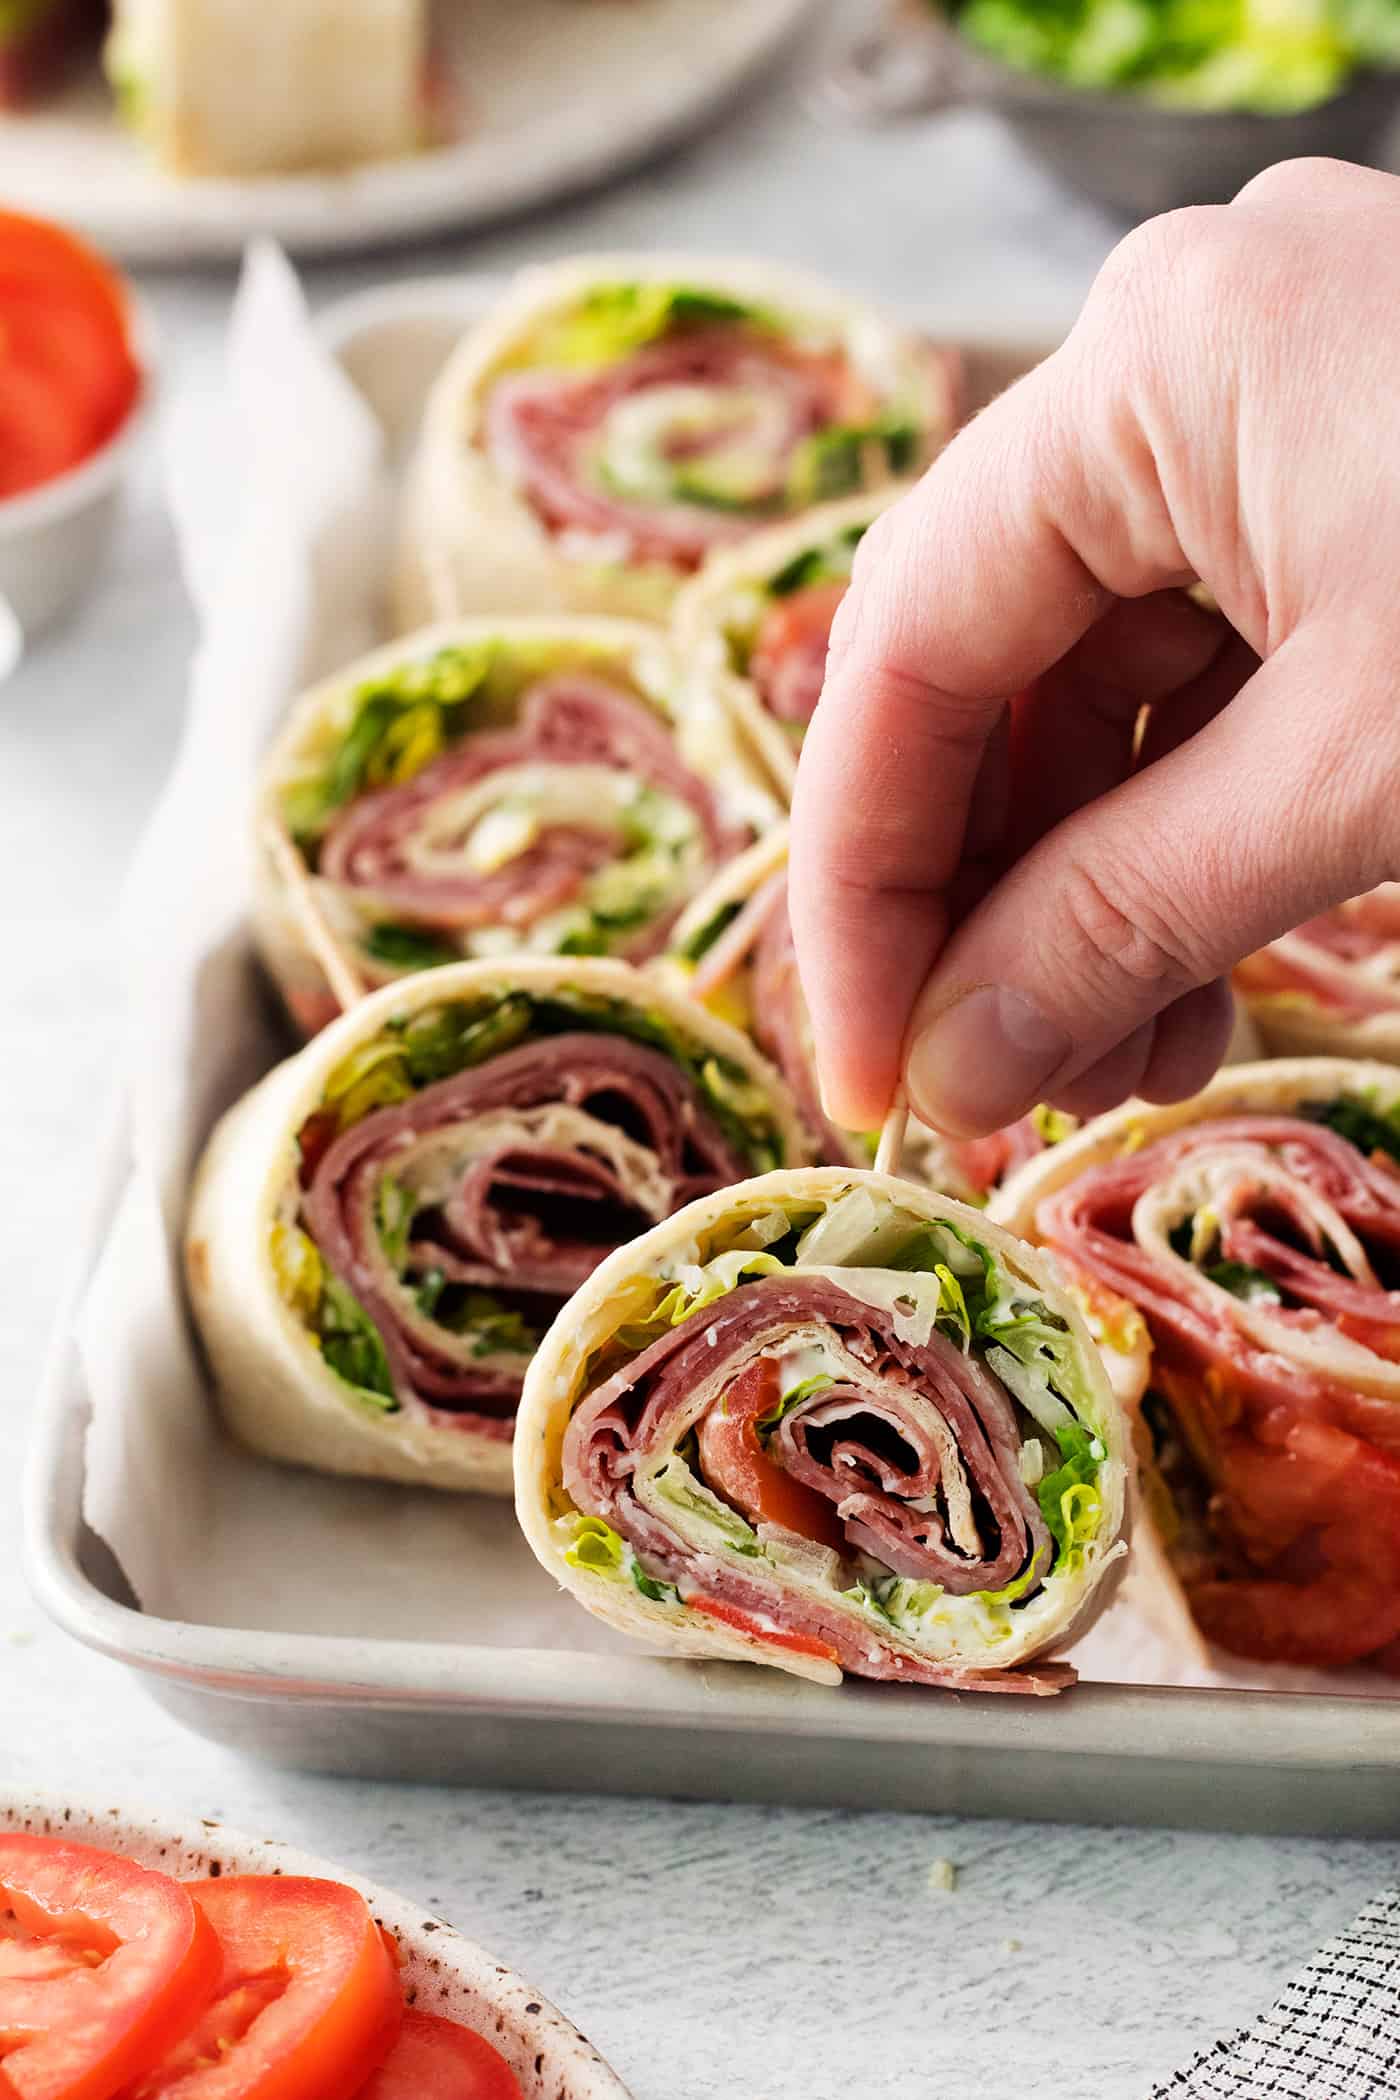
436	2059
736	1465
796	1643
788	660
307	1999
102	1964
65	345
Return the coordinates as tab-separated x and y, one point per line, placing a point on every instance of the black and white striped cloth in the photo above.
1332	2034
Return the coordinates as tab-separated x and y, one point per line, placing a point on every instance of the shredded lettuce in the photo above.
596	1546
399	723
394	1206
1361	1121
699	943
408	947
827	563
1270	56
612	320
1069	1497
1254	1286
351	1345
604	1552
838	460
676	1484
793	1397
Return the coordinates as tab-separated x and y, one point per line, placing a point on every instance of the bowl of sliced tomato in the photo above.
142	1959
75	379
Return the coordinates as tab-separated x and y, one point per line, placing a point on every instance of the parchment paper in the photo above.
284	537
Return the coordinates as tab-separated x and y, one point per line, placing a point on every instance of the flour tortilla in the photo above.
233	90
276	1391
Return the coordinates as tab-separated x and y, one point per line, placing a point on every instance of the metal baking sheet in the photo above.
302	1682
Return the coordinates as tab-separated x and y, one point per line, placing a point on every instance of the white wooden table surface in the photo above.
754	1954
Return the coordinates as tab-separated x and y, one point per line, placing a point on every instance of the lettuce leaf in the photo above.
351	1345
613	320
1360	1121
836	461
1254	1286
678	1485
408	947
829	563
399	723
1202	54
1069	1497
699	944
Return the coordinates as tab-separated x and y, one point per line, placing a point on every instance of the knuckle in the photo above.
1295	181
1117	939
1167	288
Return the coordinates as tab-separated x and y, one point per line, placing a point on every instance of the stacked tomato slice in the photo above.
119	1983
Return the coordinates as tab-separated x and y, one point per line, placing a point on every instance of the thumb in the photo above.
1079	977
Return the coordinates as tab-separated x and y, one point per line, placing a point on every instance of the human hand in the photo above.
980	870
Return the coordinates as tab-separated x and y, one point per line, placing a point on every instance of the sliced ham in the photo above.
527	1220
544	427
982	1164
569	719
1346	961
914	1447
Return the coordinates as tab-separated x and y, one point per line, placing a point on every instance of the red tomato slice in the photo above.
736	1465
797	1643
314	1140
64	339
306	2002
435	2059
788	659
1317	1516
102	1964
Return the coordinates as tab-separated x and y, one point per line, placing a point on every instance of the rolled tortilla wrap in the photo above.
1256	1229
829	1421
539	785
732	949
215	89
621	417
1331	987
382	1229
760	613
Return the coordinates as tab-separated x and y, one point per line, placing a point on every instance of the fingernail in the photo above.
983	1061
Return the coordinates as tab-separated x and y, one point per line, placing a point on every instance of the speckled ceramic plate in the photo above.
548	96
443	1973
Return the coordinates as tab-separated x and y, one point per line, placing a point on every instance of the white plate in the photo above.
553	95
443	1972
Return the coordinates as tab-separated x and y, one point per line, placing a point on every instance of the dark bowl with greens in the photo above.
1144	105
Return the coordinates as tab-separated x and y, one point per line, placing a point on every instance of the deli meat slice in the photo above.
496	1206
396	845
541	427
